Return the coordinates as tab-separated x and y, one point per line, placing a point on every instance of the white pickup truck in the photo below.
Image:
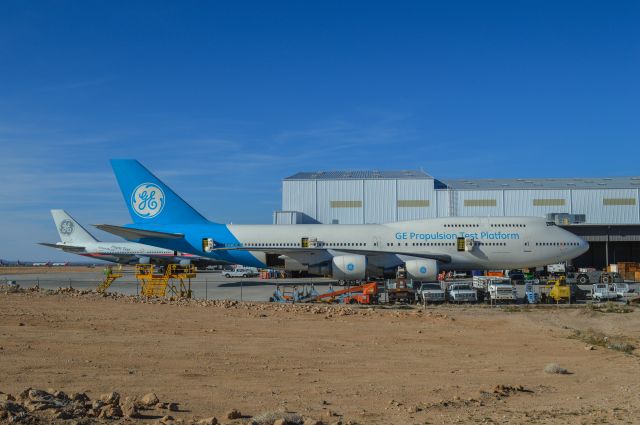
240	273
431	293
462	292
603	292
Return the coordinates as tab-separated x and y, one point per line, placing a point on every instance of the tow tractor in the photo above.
401	290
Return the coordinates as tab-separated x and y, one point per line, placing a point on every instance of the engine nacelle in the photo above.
144	260
349	267
422	269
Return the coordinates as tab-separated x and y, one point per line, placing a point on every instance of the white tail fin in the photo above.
70	230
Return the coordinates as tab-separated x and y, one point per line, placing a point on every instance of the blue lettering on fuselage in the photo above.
440	236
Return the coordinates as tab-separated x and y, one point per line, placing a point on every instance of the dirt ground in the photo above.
446	364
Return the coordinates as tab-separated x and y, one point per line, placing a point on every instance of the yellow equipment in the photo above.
156	284
560	291
111	277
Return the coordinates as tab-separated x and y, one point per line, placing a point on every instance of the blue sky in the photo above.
224	99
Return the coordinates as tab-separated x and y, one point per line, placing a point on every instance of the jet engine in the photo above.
144	260
422	269
349	267
343	267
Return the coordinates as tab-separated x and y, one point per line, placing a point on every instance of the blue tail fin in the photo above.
149	200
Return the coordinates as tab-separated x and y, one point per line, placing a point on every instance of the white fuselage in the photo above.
498	242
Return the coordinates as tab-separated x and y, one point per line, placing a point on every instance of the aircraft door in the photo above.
527	246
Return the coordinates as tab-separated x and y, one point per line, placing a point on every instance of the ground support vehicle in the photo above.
431	292
560	291
292	293
362	294
400	290
495	289
531	295
623	289
517	277
462	292
587	276
603	292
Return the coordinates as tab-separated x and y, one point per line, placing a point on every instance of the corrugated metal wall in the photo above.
299	195
536	202
591	203
415	190
377	201
340	190
478	203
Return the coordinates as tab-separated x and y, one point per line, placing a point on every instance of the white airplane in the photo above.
77	240
347	252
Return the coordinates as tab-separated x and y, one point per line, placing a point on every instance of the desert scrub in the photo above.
600	339
554	368
610	307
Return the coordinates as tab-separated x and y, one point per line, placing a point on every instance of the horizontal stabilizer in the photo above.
133	234
68	248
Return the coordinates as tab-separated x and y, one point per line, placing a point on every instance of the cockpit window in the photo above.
550	223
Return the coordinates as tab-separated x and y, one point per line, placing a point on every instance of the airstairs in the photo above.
175	281
108	280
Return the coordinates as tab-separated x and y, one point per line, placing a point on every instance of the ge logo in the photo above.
147	200
350	267
66	227
423	269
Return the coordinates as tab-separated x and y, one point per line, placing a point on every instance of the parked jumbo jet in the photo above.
77	240
161	218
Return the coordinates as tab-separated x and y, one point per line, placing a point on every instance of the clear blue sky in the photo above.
224	99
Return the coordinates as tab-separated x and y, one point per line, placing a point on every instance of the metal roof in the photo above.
550	183
460	184
359	175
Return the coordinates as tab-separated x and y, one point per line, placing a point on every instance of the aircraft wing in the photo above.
445	258
131	233
67	248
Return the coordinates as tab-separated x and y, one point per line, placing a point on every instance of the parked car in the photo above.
517	277
241	273
431	293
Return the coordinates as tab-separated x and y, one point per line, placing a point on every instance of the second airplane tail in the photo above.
148	199
69	229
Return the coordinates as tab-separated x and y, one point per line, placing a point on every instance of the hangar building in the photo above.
604	211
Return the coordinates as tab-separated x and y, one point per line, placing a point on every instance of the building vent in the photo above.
549	202
619	201
346	204
410	203
480	203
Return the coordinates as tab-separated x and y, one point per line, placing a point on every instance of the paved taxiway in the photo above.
206	285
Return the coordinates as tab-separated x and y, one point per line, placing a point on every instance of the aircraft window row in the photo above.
509	225
260	245
491	243
318	244
462	225
557	244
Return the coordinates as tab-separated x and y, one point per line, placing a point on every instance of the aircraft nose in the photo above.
583	246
